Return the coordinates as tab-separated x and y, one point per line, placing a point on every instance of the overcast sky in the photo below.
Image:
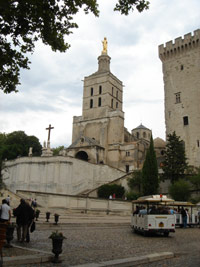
51	91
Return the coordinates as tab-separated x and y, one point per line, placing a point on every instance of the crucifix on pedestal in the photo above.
46	150
49	132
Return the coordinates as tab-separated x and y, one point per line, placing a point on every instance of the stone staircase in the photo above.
14	198
67	216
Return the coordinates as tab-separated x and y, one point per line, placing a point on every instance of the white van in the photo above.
152	215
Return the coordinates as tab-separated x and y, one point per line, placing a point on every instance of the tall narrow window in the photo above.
111	103
91	91
91	103
177	97
127	168
138	135
112	90
116	104
99	101
100	89
117	94
185	120
198	143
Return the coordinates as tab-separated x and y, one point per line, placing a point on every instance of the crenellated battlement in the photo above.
179	45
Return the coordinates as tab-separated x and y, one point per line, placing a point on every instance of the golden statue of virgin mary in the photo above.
105	46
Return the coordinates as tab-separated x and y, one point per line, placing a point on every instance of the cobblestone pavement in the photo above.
92	243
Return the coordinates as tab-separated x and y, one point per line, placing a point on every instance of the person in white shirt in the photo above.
8	200
5	212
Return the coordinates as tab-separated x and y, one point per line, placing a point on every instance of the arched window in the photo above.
138	135
144	134
99	102
91	91
91	103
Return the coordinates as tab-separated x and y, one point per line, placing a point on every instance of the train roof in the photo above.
153	199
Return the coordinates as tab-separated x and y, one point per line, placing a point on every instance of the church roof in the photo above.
86	140
141	127
158	142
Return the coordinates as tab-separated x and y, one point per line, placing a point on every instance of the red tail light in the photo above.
149	224
172	224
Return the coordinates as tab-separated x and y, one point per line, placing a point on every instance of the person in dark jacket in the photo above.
184	217
24	214
32	217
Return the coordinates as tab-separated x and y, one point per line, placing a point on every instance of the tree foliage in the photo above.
174	165
180	190
135	182
57	150
17	144
132	195
125	6
106	190
150	172
195	179
24	22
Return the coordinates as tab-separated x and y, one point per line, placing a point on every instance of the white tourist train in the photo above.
192	213
151	215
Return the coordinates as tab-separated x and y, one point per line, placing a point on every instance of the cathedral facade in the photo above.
99	135
181	75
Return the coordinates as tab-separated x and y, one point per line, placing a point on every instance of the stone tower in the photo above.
102	122
181	75
99	135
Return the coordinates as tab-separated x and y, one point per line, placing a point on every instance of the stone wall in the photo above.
59	174
79	204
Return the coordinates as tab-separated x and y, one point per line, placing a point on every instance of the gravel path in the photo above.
92	243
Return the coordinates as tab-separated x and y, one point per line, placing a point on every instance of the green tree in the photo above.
180	190
174	165
195	179
57	150
23	22
17	144
150	172
132	195
135	182
106	190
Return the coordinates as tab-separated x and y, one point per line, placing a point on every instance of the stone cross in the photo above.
49	131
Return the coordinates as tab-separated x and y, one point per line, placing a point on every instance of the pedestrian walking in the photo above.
8	200
24	214
184	217
5	212
34	203
31	220
199	217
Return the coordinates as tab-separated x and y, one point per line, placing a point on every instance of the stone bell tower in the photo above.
181	75
102	117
